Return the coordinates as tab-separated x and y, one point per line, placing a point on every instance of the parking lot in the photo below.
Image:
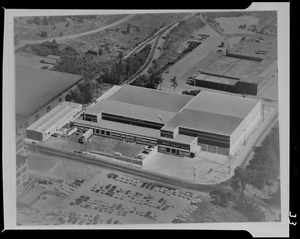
108	197
108	146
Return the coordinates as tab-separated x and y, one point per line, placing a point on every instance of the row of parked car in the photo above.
181	216
63	190
65	217
145	152
118	209
152	186
132	196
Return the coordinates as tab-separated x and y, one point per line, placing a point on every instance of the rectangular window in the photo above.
107	133
97	131
48	108
173	151
168	150
102	132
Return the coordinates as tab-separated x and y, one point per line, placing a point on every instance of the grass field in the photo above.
125	36
31	31
208	212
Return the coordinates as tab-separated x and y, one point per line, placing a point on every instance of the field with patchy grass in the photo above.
125	36
30	28
177	38
208	212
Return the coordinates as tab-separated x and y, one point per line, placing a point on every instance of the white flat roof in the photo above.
48	120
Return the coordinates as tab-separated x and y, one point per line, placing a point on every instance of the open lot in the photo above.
97	144
83	195
125	36
56	26
232	24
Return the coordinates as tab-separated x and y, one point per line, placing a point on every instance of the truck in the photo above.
85	136
71	131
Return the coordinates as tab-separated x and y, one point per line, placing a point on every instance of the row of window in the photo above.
123	136
172	151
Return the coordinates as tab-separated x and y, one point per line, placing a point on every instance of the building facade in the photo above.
22	170
179	124
53	121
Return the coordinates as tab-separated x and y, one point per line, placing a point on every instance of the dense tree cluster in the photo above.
122	69
147	81
266	162
261	171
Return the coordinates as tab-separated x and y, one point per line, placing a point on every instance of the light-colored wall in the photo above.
245	128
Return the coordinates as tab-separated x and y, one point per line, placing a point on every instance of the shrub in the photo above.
44	34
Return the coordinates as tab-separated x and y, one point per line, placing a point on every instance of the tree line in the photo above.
122	70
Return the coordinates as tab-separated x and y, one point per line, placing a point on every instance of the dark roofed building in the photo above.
37	88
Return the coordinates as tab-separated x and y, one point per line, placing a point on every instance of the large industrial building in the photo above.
38	92
53	121
179	124
246	68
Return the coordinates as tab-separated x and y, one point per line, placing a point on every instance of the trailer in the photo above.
72	131
85	136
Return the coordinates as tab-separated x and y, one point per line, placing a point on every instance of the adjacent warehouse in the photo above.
179	124
236	76
39	91
246	68
53	121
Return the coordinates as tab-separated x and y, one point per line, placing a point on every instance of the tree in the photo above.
44	34
174	82
45	21
240	180
154	67
121	55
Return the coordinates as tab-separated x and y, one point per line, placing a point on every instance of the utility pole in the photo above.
263	112
194	174
229	166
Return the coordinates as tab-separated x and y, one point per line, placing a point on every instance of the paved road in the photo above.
157	34
22	43
106	163
153	49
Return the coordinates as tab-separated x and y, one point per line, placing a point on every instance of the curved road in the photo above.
153	49
67	37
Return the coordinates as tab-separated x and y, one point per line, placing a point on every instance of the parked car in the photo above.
117	154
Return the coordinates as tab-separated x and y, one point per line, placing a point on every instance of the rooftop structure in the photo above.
214	119
245	69
35	88
52	121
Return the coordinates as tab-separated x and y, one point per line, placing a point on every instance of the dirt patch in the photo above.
40	163
66	170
